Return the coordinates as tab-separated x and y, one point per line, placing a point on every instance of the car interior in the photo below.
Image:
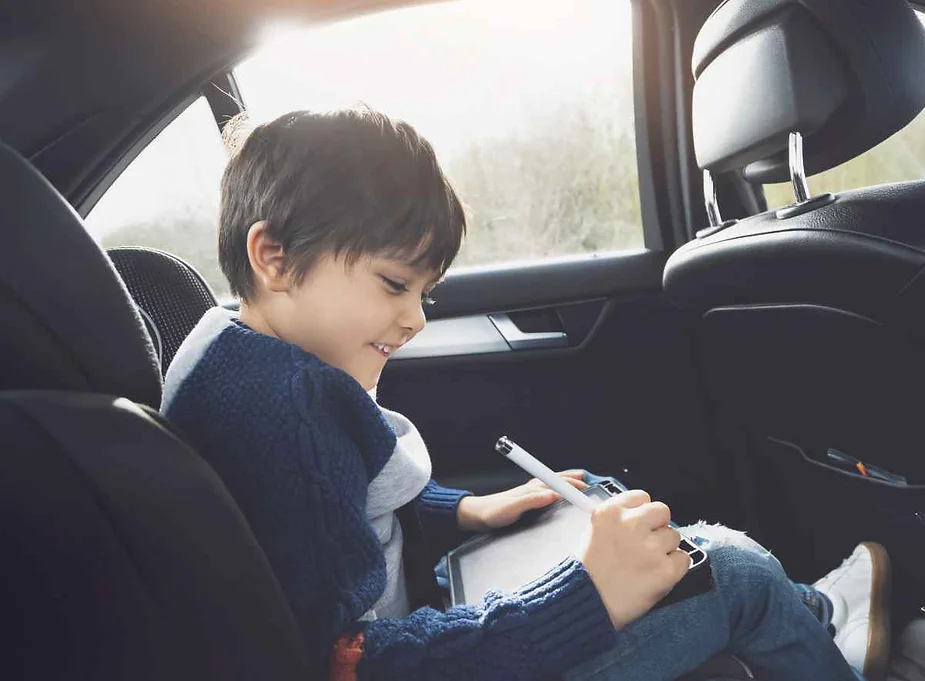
758	367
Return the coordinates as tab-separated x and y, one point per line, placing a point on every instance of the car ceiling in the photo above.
80	83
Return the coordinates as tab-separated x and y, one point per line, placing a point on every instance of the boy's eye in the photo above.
396	286
399	287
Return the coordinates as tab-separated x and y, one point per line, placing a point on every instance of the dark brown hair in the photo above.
350	182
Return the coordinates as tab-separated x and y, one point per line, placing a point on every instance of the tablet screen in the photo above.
507	561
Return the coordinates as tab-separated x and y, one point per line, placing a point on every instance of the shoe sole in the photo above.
878	635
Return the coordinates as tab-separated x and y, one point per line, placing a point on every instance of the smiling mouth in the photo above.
384	350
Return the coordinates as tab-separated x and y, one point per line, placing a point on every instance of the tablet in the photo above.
506	560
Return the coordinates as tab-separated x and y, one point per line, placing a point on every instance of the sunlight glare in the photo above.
456	71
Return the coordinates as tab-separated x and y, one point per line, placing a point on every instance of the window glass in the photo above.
168	197
528	104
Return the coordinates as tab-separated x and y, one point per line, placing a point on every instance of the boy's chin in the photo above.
367	380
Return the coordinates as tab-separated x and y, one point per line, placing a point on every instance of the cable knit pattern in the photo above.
297	442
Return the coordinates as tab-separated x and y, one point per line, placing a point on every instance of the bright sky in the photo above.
457	71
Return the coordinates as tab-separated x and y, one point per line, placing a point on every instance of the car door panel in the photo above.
621	398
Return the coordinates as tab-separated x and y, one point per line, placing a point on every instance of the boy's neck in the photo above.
251	316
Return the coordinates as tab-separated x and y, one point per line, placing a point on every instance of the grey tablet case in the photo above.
511	558
506	560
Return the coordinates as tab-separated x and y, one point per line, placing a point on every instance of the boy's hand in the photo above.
632	555
493	511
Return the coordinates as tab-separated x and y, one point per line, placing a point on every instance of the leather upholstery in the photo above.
68	321
124	556
844	73
862	253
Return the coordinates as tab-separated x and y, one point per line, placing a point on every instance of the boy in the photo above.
334	230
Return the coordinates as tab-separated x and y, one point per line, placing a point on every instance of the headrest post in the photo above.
709	196
797	171
804	202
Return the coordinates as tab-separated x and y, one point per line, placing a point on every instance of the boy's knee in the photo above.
736	558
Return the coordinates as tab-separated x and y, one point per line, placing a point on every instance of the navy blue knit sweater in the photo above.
297	442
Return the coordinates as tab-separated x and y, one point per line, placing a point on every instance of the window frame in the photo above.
224	99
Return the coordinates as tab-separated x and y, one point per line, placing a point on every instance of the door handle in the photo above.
518	340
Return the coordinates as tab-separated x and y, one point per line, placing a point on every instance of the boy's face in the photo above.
352	317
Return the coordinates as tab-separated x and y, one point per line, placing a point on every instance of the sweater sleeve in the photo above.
540	631
436	508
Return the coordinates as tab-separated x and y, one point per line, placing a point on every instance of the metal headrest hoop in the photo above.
797	170
803	200
709	197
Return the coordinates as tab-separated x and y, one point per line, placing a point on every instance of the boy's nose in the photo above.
412	318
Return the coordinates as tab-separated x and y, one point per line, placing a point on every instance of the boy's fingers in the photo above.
573	473
539	498
655	514
578	483
680	564
668	539
630	499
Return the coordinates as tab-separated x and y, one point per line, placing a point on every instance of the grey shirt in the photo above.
401	479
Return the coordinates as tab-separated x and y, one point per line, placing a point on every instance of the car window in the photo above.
529	106
168	196
897	159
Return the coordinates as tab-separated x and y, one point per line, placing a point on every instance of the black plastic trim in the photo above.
653	223
667	142
86	203
510	287
224	98
687	18
657	218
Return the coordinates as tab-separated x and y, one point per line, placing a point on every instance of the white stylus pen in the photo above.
542	472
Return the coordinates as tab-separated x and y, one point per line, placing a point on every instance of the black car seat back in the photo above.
68	322
124	557
123	554
171	295
811	319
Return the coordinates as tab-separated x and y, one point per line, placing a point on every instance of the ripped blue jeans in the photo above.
777	627
753	611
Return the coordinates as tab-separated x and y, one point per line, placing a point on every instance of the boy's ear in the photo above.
267	259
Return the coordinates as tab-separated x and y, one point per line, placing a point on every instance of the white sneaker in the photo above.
860	593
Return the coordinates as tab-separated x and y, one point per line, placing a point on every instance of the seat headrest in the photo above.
171	295
846	74
68	321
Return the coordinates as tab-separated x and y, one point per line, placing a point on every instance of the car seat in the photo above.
809	319
170	294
